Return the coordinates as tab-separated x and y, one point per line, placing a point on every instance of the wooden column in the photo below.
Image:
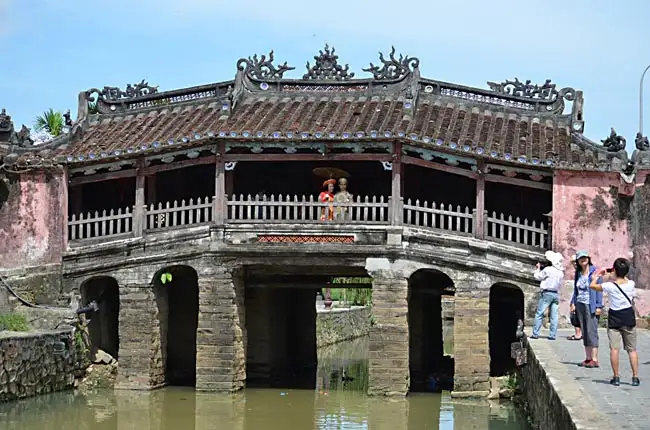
479	227
219	207
138	210
396	186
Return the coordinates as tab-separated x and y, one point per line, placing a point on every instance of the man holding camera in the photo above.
621	317
550	273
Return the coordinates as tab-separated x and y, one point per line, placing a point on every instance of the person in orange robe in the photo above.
327	196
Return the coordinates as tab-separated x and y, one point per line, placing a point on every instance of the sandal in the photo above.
573	337
592	364
584	363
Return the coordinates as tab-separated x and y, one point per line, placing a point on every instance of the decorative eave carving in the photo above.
393	68
262	68
327	67
546	94
114	94
8	135
614	142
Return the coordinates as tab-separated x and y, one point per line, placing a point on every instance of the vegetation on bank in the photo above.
13	322
353	296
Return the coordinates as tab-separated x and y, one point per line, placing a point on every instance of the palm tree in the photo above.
51	122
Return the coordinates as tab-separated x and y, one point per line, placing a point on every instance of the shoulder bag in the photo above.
623	317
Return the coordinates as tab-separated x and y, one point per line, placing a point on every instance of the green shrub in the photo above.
13	322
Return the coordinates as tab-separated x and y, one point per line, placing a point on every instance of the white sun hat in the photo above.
555	258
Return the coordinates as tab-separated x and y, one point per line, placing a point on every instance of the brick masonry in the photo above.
389	337
142	352
471	342
221	333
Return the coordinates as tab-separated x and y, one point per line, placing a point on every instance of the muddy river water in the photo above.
339	402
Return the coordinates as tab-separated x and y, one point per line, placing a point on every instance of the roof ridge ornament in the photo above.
614	142
393	68
262	68
327	67
547	92
6	124
140	89
641	142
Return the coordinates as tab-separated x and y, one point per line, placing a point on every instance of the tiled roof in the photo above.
528	127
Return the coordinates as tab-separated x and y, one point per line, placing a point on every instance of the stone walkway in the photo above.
587	393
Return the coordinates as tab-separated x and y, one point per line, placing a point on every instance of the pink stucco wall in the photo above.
32	220
588	214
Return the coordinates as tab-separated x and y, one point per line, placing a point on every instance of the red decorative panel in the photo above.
293	238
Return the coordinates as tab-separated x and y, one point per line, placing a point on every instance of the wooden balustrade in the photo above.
178	214
459	219
105	224
295	209
509	229
303	209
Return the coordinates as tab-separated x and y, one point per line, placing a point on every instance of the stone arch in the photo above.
506	308
176	290
429	368
103	327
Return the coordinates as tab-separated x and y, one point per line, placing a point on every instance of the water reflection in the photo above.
339	402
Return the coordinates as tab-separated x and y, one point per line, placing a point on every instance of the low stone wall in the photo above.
36	363
337	325
547	390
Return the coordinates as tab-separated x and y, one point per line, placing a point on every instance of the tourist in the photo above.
587	304
550	276
621	317
573	317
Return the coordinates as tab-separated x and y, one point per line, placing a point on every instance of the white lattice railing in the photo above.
276	209
306	209
100	224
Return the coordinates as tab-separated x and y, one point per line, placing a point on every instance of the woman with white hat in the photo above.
551	277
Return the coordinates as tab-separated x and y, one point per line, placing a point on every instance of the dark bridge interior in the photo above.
281	323
178	310
429	367
103	326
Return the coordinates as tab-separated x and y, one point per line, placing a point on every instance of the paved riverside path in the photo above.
587	393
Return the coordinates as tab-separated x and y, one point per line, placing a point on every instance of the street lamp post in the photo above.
641	100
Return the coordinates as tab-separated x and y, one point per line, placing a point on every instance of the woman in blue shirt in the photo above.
587	303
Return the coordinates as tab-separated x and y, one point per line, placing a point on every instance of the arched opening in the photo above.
431	368
103	327
177	297
506	308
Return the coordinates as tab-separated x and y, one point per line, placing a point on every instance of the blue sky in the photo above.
51	50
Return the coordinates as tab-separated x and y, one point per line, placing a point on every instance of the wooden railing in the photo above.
509	229
373	210
104	224
178	214
306	209
438	216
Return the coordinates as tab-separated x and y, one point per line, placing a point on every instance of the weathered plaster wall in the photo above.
592	211
32	219
32	234
31	365
640	228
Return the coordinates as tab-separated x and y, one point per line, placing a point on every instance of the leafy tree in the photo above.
50	121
